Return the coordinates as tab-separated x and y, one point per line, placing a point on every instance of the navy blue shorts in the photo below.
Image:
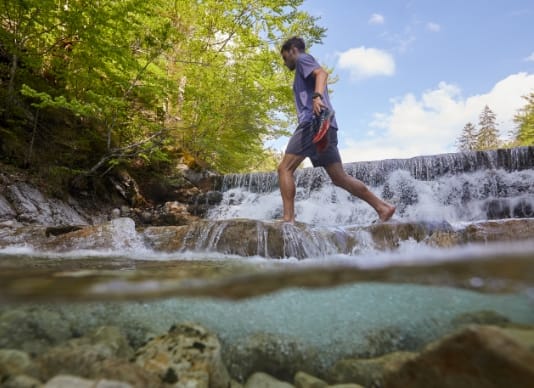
301	144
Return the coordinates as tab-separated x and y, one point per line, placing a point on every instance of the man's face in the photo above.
290	58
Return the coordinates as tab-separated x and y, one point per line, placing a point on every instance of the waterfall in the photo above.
456	187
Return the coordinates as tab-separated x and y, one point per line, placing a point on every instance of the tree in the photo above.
525	122
468	138
487	137
150	79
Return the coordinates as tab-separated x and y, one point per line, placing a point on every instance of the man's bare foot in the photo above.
284	220
386	213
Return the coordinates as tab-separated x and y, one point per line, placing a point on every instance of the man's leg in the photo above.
286	169
358	188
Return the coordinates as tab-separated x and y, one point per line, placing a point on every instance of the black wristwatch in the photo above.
315	95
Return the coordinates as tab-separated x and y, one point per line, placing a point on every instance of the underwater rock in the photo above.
14	362
368	372
32	330
67	381
85	356
388	339
263	380
188	354
277	355
21	381
477	356
304	380
481	317
523	335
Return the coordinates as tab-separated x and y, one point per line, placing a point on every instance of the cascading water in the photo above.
456	188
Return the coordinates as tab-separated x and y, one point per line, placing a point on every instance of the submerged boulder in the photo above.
187	355
477	356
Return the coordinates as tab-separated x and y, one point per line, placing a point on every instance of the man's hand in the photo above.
318	106
321	77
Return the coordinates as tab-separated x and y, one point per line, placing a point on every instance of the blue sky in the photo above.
413	73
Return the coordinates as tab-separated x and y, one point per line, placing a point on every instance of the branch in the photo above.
121	152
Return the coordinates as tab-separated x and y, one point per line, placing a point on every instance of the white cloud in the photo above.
530	58
364	62
431	123
376	18
434	27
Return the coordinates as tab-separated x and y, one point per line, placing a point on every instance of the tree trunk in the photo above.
30	151
12	73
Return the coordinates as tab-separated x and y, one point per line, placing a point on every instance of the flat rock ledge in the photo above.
270	239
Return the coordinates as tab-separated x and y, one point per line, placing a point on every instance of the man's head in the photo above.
291	49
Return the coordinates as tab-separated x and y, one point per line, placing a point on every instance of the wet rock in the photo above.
388	339
103	353
187	355
14	362
32	330
263	380
21	381
67	381
59	230
506	230
368	372
274	354
304	380
32	206
173	213
524	336
13	233
6	211
117	234
477	356
127	187
201	204
481	317
389	235
268	239
84	356
126	371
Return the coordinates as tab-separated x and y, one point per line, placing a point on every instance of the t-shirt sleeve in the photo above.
307	64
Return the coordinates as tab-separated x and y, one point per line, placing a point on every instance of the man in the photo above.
311	97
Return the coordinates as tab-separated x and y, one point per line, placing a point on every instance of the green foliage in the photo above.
148	78
525	122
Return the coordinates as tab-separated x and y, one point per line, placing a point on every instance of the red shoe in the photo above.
320	126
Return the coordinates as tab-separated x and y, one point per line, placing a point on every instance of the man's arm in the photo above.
321	77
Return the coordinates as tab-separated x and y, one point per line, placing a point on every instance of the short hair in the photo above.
295	41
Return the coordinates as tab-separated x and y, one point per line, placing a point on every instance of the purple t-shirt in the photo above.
304	87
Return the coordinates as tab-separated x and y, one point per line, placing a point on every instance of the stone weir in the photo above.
253	238
375	172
